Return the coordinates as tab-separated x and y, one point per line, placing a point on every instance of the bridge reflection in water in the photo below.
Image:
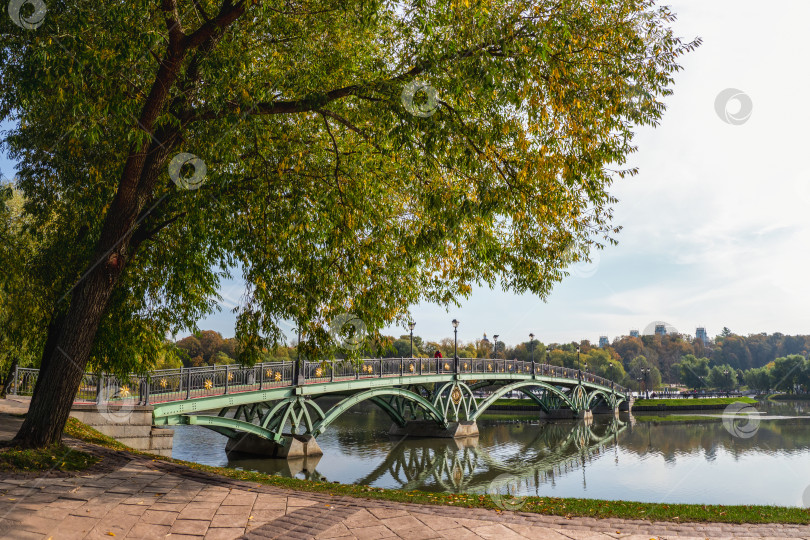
463	465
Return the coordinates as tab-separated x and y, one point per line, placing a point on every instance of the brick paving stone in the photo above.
528	531
25	535
221	533
190	526
266	515
336	531
383	513
458	533
400	523
296	501
229	520
157	517
148	531
76	527
497	531
234	510
371	533
193	511
437	523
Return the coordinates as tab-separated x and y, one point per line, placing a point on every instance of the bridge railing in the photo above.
186	383
341	370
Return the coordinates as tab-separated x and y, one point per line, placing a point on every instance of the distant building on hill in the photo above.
603	342
700	333
660	329
634	332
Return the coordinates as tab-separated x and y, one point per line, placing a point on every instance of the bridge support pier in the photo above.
606	410
296	446
584	414
429	428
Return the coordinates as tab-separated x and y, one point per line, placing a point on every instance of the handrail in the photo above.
167	385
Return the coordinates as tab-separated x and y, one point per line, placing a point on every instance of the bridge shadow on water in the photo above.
533	453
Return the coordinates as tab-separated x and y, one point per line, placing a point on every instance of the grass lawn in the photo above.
515	403
567	507
688	403
57	457
677	418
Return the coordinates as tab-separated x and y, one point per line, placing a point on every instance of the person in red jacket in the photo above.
438	354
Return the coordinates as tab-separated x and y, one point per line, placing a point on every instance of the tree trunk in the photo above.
65	362
70	340
9	377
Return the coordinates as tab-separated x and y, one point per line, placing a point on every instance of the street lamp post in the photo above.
644	373
411	325
455	345
531	344
579	366
495	346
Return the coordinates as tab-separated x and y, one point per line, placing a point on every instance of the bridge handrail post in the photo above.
401	366
332	372
420	366
379	376
100	387
188	383
16	378
357	371
146	381
226	379
261	376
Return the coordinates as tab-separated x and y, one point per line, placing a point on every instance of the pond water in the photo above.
676	458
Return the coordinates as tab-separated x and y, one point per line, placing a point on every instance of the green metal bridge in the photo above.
276	400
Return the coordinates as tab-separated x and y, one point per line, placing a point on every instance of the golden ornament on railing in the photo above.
208	384
268	373
230	376
447	366
278	376
465	365
410	368
489	367
164	383
123	391
318	372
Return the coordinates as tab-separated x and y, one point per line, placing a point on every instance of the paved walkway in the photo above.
127	496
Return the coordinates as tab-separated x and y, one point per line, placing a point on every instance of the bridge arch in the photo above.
376	396
503	390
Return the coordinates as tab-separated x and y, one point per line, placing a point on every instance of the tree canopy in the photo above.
322	186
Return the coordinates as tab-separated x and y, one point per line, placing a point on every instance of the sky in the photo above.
714	227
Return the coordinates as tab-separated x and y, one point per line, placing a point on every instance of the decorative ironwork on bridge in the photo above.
275	400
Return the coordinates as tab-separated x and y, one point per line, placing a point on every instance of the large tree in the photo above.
361	156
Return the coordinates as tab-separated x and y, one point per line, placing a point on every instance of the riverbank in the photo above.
687	404
134	495
96	444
